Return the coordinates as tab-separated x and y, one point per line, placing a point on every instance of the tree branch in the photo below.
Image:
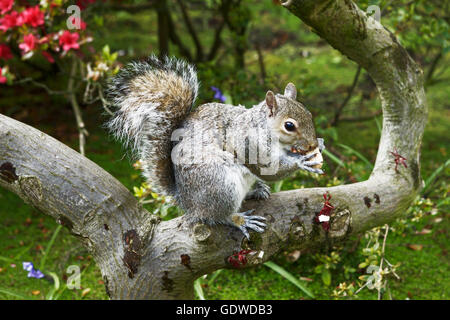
143	258
176	40
191	29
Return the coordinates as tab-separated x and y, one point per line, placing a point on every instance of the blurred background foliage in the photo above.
244	48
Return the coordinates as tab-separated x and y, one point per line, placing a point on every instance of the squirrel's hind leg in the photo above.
261	192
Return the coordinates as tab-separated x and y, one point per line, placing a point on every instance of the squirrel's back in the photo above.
152	98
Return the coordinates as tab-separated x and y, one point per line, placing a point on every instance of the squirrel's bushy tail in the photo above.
152	97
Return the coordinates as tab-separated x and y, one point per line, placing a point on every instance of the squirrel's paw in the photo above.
261	192
304	164
244	221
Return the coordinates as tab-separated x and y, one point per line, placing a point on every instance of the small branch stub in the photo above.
202	232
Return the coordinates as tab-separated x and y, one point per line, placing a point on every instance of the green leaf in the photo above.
56	284
356	153
277	186
335	159
434	175
49	246
288	276
214	276
10	293
326	277
198	289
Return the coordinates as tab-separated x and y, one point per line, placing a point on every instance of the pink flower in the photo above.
29	43
5	52
48	56
84	3
69	40
2	78
6	5
33	16
82	23
10	21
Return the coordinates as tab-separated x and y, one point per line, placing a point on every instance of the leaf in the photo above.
214	276
56	285
424	231
294	255
13	294
198	289
415	247
326	277
277	186
85	292
334	158
434	175
49	246
356	153
288	276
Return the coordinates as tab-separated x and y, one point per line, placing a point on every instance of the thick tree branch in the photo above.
141	258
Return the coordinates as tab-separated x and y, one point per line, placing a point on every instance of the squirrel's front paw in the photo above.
304	164
244	221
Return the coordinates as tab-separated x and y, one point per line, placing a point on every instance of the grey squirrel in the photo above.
211	159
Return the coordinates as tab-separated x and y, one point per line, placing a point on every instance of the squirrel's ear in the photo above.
271	103
290	91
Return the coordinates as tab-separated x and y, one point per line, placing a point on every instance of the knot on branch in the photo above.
201	232
340	224
31	187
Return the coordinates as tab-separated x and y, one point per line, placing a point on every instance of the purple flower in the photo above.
32	272
219	95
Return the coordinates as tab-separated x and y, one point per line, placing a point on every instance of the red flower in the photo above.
33	16
68	40
6	5
10	21
48	56
2	78
84	3
29	43
82	23
5	52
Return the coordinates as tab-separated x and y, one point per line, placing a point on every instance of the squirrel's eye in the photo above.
289	126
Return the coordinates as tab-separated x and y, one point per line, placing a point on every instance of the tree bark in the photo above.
141	257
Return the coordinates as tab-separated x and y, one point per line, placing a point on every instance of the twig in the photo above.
262	67
41	85
361	118
173	36
163	28
338	112
217	41
151	4
432	69
83	133
191	29
382	257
